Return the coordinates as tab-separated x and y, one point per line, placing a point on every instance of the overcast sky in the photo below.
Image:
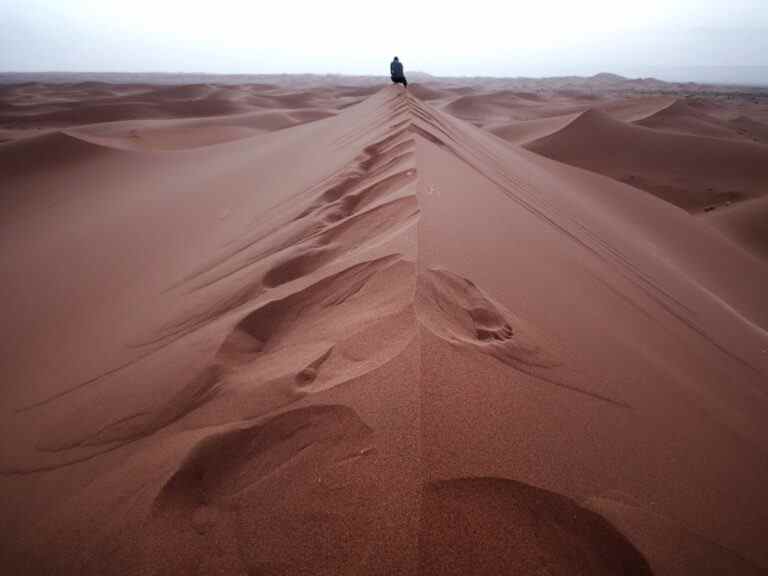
477	37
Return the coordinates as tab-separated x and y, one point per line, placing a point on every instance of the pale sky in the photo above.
477	37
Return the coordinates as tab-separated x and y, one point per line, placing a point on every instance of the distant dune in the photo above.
745	222
681	117
692	172
328	326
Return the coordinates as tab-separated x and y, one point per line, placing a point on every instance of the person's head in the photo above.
397	59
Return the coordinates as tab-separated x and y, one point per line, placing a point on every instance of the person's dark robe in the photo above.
396	71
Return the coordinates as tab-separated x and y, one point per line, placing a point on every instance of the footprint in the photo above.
498	526
458	311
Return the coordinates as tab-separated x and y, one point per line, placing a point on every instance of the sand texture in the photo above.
301	328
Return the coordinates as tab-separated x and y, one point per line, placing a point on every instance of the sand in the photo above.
352	329
694	172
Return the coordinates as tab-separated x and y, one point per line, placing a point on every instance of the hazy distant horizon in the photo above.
756	76
687	40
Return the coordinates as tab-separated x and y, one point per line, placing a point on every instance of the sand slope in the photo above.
349	346
692	172
744	223
165	117
683	118
534	127
519	529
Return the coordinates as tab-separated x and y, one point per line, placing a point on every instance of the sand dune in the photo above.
689	171
744	223
757	131
493	108
27	164
426	92
680	117
141	116
194	133
523	132
343	331
164	135
522	117
509	104
484	103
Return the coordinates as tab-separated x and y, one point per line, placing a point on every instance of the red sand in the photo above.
693	172
338	330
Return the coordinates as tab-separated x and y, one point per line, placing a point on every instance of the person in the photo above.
396	70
